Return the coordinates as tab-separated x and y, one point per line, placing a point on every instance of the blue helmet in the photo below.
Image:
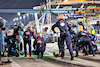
61	17
29	28
21	33
19	38
21	25
79	20
3	21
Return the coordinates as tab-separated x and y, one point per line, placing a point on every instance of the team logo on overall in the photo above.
27	33
39	41
62	24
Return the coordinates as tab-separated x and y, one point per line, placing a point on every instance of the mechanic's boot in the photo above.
86	53
72	57
62	57
25	55
54	53
41	57
93	54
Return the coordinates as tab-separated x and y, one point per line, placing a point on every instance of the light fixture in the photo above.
32	13
18	13
14	23
20	17
27	15
24	16
14	19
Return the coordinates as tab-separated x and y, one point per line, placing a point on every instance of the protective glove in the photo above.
15	49
34	49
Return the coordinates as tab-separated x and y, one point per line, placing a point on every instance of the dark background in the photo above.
18	4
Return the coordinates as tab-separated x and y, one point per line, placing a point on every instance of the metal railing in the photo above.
83	2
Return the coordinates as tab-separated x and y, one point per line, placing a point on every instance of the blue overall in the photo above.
93	39
64	28
35	42
72	35
12	48
2	28
40	46
27	39
2	43
83	41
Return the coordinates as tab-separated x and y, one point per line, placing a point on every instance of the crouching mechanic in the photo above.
27	39
40	45
83	40
64	34
13	47
82	37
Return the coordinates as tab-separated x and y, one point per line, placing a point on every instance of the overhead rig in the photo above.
76	11
60	10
